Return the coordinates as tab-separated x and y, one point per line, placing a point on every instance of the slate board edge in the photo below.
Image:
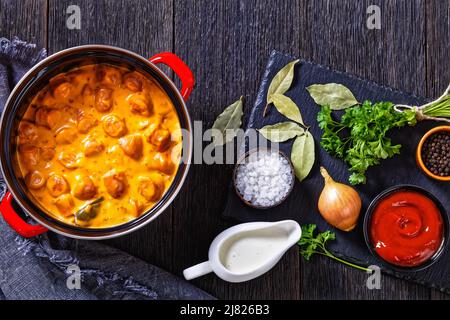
261	94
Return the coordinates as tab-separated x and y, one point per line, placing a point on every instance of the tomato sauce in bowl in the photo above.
406	227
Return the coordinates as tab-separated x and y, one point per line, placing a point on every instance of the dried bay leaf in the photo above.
303	155
281	82
88	211
228	123
287	107
281	132
335	95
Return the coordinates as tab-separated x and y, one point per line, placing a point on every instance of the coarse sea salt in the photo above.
264	178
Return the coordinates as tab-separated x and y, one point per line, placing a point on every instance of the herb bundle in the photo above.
438	110
360	137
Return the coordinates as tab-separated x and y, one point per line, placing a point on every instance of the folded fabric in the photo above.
49	266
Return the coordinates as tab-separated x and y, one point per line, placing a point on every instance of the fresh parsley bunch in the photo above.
360	137
311	244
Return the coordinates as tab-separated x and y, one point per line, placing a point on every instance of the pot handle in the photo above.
16	222
181	70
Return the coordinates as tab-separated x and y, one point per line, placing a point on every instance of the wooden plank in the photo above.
336	35
227	44
438	55
437	47
26	19
143	27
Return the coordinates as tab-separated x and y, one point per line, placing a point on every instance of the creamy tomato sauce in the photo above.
407	228
101	134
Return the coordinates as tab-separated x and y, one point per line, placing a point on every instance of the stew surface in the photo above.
99	145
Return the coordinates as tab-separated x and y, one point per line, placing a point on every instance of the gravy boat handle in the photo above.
197	271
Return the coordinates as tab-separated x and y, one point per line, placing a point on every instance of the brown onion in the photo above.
339	204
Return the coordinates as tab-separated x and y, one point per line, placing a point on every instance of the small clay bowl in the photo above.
419	158
243	158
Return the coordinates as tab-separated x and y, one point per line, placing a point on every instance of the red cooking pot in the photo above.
18	198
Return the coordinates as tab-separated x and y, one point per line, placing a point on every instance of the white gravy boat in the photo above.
248	250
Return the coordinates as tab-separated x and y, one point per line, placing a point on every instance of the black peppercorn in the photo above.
436	154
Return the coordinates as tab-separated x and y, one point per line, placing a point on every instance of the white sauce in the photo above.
250	250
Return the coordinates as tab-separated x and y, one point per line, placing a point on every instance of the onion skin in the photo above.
339	204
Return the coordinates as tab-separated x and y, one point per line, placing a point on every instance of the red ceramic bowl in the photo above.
36	79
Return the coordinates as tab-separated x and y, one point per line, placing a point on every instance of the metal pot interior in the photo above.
39	77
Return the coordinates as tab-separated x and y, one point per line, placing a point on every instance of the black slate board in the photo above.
302	203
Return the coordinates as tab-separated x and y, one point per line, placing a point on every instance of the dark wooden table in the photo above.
226	43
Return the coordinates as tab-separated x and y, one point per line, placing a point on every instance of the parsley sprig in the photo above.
360	137
310	245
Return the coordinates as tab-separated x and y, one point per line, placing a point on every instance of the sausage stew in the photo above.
99	145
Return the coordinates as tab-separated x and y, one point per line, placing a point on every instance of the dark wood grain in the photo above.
24	19
143	27
335	34
437	47
437	58
227	43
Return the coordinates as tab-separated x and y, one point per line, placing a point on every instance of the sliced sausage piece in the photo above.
132	146
47	99
84	188
66	135
30	155
63	90
69	114
57	185
161	162
92	147
114	126
65	204
149	189
132	82
103	99
60	117
35	180
69	159
54	118
115	183
85	122
87	91
160	139
41	117
28	132
47	153
136	207
109	76
140	103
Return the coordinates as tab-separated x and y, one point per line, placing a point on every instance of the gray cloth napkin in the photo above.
42	267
